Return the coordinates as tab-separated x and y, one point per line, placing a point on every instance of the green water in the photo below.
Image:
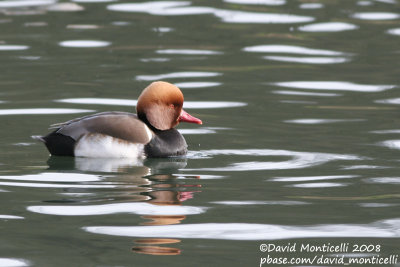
299	142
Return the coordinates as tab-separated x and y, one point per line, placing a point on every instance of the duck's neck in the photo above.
143	118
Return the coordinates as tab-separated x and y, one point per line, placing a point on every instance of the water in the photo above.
300	141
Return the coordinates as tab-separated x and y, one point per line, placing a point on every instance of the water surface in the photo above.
300	141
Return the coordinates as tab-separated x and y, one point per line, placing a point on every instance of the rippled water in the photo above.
300	142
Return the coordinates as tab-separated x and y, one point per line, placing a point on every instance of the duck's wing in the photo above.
122	125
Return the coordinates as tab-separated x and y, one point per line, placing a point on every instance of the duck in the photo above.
148	133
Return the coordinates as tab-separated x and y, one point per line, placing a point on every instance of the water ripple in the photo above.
84	43
11	262
309	60
93	1
175	8
254	202
394	144
184	74
328	27
394	101
25	3
384	180
53	177
394	31
311	178
10	217
288	92
311	6
321	121
335	85
36	111
257	2
133	208
13	47
318	185
376	16
291	49
298	160
188	52
127	102
197	84
247	231
45	185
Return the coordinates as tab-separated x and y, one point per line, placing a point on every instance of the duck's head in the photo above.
160	105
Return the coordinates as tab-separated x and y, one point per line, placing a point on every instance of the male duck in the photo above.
150	133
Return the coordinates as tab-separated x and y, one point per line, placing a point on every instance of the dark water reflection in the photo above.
300	141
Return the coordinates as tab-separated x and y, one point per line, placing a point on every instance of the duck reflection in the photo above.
116	165
165	190
151	180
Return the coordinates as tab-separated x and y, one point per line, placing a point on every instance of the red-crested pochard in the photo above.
150	133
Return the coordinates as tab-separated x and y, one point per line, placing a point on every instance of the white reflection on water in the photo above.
394	131
45	185
197	131
162	29
10	217
93	1
184	74
36	111
394	31
384	180
376	15
311	6
258	2
212	104
335	85
309	60
125	102
84	43
65	7
247	231
362	167
10	262
394	144
99	101
291	49
254	202
25	3
377	205
364	3
83	26
184	85
321	121
318	185
298	159
175	8
288	92
394	101
155	59
54	177
328	27
311	178
13	47
131	207
188	52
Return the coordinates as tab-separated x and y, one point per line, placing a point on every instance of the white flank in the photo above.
104	146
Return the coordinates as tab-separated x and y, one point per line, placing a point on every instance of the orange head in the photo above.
160	104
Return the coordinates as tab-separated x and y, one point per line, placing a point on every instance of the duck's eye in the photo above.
171	106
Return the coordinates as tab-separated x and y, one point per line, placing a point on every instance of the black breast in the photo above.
166	144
